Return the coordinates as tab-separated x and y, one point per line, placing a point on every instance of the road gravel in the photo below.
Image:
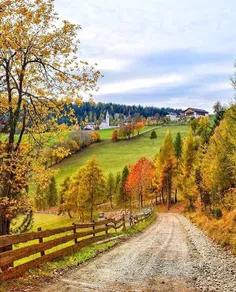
170	255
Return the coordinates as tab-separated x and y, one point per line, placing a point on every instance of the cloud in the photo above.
168	52
141	83
111	64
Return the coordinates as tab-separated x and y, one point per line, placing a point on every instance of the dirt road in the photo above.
163	258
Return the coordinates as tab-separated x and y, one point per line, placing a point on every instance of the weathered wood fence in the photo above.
143	216
39	244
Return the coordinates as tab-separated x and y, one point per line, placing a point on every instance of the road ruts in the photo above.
164	257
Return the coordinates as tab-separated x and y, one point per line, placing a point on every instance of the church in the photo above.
106	123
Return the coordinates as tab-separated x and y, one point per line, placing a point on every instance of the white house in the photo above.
106	123
90	126
173	116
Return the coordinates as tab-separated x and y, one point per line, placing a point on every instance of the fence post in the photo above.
41	241
106	228
74	231
124	228
93	228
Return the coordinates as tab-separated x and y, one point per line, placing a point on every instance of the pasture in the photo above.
113	156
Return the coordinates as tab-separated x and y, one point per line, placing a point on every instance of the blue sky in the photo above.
158	52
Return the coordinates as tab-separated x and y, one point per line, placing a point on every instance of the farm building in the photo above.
195	112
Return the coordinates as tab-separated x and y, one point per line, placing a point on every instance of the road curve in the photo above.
162	258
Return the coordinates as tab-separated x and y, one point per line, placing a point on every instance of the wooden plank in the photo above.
119	220
19	270
6	240
13	255
120	225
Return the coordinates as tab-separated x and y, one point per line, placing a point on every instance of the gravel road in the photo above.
170	255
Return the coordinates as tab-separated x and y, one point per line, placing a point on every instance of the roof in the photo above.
197	110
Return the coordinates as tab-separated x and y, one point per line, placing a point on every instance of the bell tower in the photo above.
107	119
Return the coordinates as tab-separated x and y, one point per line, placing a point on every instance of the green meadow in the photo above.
113	156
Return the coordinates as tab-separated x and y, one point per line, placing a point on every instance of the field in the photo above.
106	134
113	156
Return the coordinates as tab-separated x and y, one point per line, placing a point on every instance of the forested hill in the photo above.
96	111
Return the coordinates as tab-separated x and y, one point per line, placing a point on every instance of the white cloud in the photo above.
110	64
141	83
116	34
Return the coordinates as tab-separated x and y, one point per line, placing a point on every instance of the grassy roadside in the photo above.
222	231
52	270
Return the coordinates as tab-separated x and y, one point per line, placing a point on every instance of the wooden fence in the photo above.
77	235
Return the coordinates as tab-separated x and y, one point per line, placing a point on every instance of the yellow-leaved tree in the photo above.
165	169
86	189
39	76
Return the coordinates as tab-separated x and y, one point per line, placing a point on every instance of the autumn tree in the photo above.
165	169
88	187
64	188
219	161
204	128
122	191
139	126
139	181
41	199
153	136
110	187
219	111
52	196
187	168
39	75
178	145
115	135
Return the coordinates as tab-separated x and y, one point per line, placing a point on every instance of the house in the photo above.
195	112
90	126
105	123
172	116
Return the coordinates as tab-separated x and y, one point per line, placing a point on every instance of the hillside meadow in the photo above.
113	156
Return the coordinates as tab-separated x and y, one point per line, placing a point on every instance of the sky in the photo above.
163	53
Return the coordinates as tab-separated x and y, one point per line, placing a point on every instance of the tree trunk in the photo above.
111	202
91	213
5	230
176	196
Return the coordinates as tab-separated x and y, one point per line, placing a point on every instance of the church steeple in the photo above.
107	119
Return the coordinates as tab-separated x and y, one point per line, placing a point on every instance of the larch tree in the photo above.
52	195
64	188
110	187
165	169
39	75
178	145
219	162
122	192
91	185
139	181
187	168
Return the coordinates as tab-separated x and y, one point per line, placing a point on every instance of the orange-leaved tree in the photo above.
139	126
139	181
39	77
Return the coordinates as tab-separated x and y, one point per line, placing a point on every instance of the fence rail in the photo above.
80	236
